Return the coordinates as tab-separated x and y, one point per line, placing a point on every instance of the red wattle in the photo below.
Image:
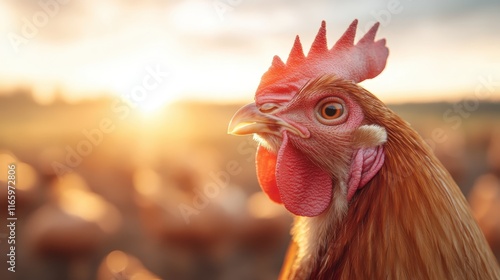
305	189
292	179
266	173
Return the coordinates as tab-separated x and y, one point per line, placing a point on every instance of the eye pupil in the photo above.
331	111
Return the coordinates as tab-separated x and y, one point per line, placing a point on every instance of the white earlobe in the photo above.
369	136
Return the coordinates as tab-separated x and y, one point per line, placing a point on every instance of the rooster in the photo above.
370	199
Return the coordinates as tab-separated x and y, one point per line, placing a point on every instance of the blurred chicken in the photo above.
208	244
118	265
25	185
370	198
494	151
72	225
485	203
484	197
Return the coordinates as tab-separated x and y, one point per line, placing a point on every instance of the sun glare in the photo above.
158	101
152	107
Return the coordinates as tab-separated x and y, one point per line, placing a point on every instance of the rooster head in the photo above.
315	126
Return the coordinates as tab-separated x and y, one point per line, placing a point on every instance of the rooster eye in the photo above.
331	112
268	107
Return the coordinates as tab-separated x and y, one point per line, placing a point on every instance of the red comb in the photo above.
356	62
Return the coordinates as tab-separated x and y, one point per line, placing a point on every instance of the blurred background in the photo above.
115	114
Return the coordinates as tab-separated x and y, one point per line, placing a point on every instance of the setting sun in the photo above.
153	105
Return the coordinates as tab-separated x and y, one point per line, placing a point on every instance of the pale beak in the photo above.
249	119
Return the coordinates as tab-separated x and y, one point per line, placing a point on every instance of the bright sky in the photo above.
218	50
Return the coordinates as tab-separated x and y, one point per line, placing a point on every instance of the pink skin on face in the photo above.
301	173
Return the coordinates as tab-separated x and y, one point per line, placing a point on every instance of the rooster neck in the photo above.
313	234
410	220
